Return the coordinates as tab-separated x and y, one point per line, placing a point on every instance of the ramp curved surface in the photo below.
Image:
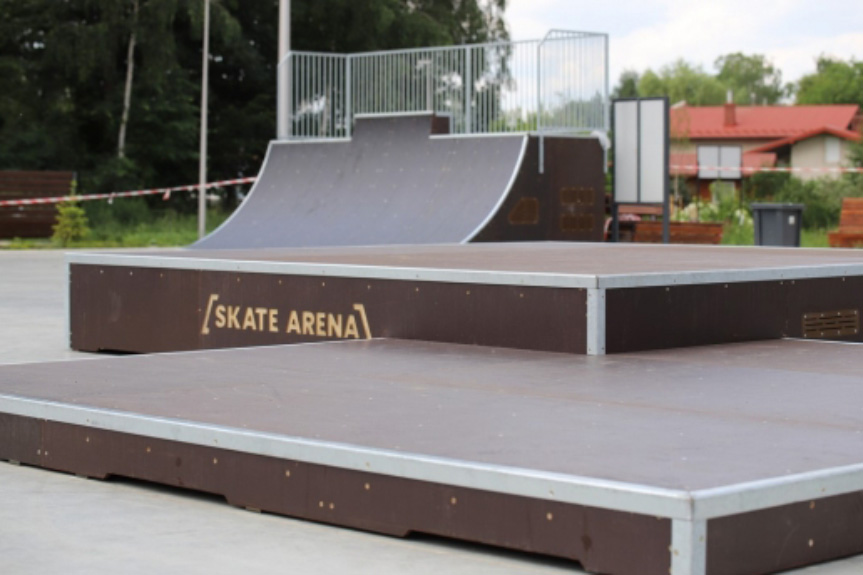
392	183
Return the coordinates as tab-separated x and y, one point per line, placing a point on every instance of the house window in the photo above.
832	151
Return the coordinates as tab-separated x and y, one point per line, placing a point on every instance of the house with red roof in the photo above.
811	138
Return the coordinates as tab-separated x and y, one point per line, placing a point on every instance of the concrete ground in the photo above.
56	523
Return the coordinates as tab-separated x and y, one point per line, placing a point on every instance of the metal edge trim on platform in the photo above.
526	279
531	279
592	492
791	273
494	211
783	490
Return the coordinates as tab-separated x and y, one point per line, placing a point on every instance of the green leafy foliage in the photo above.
752	79
63	67
627	86
71	223
683	81
834	82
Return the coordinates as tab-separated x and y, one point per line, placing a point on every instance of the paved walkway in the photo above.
56	523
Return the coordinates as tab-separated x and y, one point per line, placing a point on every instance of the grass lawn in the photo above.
168	229
735	235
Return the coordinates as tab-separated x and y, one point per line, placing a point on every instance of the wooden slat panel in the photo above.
639	210
36	220
680	233
850	233
36	183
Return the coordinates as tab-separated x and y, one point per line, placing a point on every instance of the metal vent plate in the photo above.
830	324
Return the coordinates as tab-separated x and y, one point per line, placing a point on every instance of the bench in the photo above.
850	232
35	221
628	215
639	210
679	232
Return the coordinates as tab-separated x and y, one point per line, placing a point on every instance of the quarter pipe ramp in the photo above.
400	180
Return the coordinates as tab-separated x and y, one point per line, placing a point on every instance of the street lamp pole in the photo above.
284	73
202	165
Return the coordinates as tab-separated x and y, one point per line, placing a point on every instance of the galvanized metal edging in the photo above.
791	273
340	270
556	487
774	492
454	275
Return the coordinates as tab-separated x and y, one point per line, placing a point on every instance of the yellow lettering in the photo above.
249	320
308	323
293	323
362	310
334	325
205	329
274	320
233	320
320	324
261	312
351	328
220	316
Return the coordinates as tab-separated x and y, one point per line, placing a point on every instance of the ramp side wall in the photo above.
564	203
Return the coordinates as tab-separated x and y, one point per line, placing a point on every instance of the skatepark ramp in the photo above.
403	179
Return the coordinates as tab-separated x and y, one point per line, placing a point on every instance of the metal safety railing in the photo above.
556	85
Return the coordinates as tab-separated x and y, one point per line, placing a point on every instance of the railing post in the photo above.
607	99
539	106
468	90
349	119
429	87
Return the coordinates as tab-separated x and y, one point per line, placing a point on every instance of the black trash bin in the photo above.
777	224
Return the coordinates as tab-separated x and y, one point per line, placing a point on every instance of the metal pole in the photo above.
349	95
468	90
284	72
202	161
666	208
615	214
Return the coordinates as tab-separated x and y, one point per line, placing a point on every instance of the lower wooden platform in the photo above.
741	458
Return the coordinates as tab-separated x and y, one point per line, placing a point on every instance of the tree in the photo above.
752	78
77	73
682	81
627	86
834	82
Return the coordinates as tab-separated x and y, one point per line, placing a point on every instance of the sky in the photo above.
652	33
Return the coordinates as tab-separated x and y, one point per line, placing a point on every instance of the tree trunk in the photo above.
130	75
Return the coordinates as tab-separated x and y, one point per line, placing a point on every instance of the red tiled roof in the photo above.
758	122
686	164
844	134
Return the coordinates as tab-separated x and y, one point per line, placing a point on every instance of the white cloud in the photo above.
652	33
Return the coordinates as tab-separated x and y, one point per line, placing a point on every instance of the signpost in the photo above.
640	154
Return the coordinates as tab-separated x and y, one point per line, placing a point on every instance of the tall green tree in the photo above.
682	81
627	86
75	74
752	78
834	82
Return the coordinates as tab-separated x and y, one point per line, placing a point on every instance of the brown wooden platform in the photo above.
740	458
562	297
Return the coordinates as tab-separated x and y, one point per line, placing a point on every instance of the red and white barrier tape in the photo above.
166	192
751	169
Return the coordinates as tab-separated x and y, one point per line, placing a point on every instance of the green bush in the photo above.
822	198
71	224
764	186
